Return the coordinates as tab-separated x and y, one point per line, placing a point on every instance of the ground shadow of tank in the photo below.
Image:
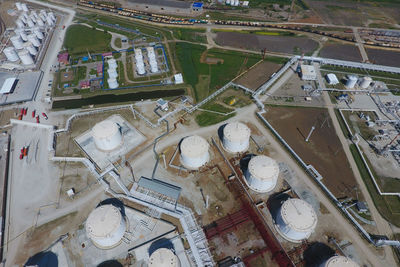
43	259
244	162
221	132
115	202
316	254
274	203
161	243
110	263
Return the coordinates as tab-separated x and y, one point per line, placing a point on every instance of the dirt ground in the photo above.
258	75
384	57
67	76
280	44
341	51
323	151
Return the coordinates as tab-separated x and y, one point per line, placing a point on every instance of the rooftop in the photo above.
299	215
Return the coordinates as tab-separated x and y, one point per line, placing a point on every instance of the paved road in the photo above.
360	45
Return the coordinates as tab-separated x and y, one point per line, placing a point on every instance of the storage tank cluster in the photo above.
107	135
262	174
236	136
296	220
139	61
112	73
164	257
194	152
232	2
106	226
152	59
339	261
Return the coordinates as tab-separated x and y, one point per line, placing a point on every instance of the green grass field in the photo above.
81	39
205	118
191	35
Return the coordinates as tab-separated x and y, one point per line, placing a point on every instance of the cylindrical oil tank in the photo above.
107	135
112	83
11	54
262	174
236	136
23	19
296	220
33	13
24	36
31	49
236	2
17	41
49	21
32	18
351	81
43	17
365	82
339	261
24	7
25	57
112	73
228	2
39	22
18	6
51	15
34	40
106	226
19	23
164	257
38	33
25	15
30	23
194	152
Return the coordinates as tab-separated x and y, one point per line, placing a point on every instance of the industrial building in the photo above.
107	135
164	257
236	137
262	174
332	79
8	86
308	73
106	226
194	152
296	220
178	78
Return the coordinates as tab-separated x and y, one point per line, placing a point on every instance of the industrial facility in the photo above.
194	152
112	74
164	257
236	137
107	135
262	174
340	261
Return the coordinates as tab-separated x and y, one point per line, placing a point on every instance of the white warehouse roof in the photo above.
308	72
332	79
178	78
8	85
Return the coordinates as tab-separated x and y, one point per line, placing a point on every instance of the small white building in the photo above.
332	79
178	78
163	104
308	73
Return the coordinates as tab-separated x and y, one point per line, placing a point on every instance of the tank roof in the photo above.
340	261
103	221
194	146
236	131
263	167
163	257
299	215
104	129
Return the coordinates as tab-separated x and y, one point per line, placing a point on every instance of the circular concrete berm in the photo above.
194	152
262	173
164	257
107	135
105	226
236	137
340	261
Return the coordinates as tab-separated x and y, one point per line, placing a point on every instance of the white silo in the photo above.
112	83
107	135
23	19
51	15
39	22
25	57
24	36
18	6
112	73
236	137
11	54
34	14
49	21
25	15
112	63
38	33
194	152
106	226
262	173
17	41
228	2
30	23
339	261
24	7
31	49
365	82
351	81
296	220
43	17
34	40
32	18
19	23
164	257
236	3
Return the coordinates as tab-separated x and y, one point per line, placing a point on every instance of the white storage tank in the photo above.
25	57
236	137
112	73
51	15
139	61
228	2
262	174
365	82
22	18
49	21
18	6
24	36
32	18
31	49
30	23
164	257
296	220
17	41
112	63
34	14
19	23
107	135
34	40
24	7
112	83
236	3
351	81
38	33
43	17
339	261
106	226
11	54
194	152
40	22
